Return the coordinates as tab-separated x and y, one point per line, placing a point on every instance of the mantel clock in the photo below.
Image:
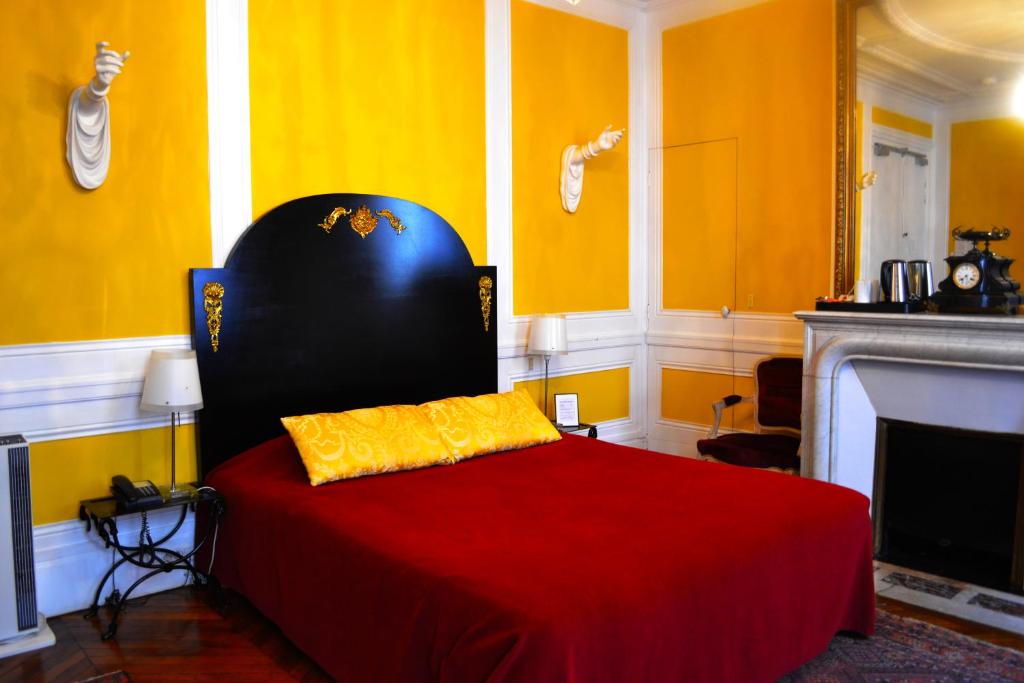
979	281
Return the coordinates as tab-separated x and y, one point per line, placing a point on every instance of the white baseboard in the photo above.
70	561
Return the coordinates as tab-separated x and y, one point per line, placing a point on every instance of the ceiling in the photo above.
942	50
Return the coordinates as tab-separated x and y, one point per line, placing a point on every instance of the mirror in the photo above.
928	135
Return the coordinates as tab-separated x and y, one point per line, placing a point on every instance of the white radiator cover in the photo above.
18	614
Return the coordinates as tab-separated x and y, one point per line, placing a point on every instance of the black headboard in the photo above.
334	302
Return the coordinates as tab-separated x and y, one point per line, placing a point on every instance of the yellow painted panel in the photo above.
67	471
382	97
603	395
986	167
699	226
764	75
687	395
570	79
109	262
894	119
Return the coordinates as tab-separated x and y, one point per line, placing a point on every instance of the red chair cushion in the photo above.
754	450
779	383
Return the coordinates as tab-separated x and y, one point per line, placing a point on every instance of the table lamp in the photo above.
547	337
172	386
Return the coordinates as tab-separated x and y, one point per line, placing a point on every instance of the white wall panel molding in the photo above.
699	343
71	562
601	339
227	95
66	390
629	429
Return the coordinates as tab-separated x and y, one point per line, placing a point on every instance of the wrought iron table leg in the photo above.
119	607
94	608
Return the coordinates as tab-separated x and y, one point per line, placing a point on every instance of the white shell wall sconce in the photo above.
573	157
88	141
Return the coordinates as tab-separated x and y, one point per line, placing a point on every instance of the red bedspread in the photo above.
575	561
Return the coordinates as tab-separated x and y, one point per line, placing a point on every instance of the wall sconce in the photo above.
573	156
88	141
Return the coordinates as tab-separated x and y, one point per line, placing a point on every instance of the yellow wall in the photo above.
893	119
986	168
687	395
64	472
603	395
763	76
570	79
699	225
382	97
110	262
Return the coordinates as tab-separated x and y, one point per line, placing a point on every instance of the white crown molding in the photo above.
671	13
621	13
892	68
66	390
227	96
898	16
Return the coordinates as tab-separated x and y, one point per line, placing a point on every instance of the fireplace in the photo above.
947	520
950	502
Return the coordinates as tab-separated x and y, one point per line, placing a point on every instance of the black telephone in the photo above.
135	496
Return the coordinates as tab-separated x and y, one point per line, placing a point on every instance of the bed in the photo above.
577	560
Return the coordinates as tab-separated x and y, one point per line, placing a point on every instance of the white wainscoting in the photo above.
71	562
703	341
66	390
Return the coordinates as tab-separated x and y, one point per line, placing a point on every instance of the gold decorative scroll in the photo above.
395	222
213	304
363	222
332	218
485	300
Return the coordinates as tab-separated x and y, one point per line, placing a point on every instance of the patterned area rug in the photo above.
906	650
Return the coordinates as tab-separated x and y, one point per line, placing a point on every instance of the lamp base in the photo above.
181	492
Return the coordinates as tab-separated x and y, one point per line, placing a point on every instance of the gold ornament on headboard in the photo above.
486	283
362	220
213	304
395	222
332	218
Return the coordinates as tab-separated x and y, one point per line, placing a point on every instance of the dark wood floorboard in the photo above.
177	636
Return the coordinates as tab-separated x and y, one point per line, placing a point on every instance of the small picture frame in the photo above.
567	410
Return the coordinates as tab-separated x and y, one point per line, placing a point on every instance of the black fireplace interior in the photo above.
949	502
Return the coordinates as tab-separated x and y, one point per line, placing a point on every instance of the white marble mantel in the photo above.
947	370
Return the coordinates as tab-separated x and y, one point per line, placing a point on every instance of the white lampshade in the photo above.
547	335
172	382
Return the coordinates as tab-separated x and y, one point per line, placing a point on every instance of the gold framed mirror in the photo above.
925	99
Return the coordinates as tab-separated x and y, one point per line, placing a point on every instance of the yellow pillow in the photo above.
493	422
366	441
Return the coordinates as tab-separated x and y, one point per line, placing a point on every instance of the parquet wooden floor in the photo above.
177	636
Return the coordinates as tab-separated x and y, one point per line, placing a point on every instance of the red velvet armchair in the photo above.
775	443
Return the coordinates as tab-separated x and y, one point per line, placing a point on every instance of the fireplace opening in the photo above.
950	502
